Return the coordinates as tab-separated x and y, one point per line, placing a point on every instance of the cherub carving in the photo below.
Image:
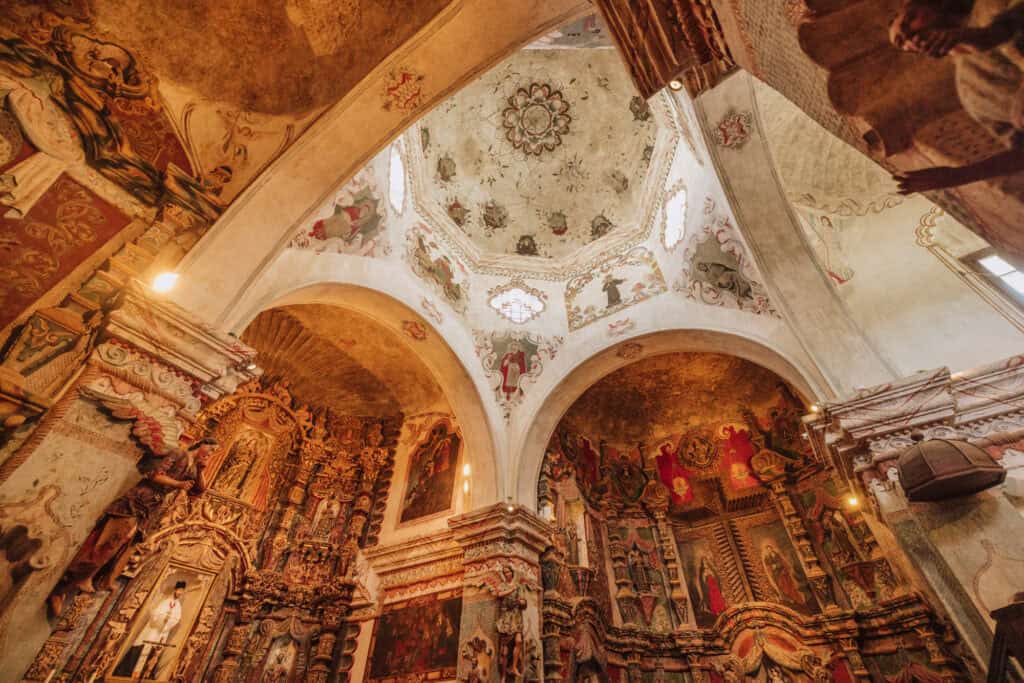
510	592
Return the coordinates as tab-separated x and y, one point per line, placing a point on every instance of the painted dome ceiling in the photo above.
548	156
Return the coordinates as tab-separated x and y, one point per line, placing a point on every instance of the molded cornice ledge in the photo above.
146	327
962	402
495	532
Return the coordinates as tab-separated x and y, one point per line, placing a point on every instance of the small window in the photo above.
396	180
1003	274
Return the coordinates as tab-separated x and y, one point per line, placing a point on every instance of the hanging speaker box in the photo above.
938	469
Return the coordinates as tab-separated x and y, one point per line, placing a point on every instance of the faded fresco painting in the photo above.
161	626
396	655
432	463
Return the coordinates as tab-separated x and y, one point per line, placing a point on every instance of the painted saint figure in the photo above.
511	604
610	287
431	473
128	518
143	658
714	601
513	367
782	577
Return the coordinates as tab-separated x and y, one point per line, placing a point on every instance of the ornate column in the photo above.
148	374
502	587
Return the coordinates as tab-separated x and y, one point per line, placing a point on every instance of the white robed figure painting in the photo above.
160	627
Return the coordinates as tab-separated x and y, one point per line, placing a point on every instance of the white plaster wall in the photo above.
917	312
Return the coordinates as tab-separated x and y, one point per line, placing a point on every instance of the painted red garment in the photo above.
737	450
513	366
716	602
674	475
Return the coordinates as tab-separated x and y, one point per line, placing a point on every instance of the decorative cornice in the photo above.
500	530
216	362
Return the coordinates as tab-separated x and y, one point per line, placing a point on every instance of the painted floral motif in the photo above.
513	361
403	90
494	216
557	223
457	212
733	131
446	168
640	109
536	119
435	266
431	310
720	273
629	351
618	328
600	226
526	245
414	329
613	285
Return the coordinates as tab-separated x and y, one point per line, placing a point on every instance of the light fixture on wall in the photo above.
815	408
852	501
675	85
164	282
465	470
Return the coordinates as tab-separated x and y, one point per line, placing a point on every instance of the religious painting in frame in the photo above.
244	473
777	574
159	630
430	482
706	572
419	638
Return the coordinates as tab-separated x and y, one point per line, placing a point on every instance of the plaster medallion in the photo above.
536	118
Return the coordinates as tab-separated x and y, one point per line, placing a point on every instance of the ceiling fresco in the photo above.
288	56
672	393
548	153
342	360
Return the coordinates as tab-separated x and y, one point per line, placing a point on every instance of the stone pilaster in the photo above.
501	548
150	369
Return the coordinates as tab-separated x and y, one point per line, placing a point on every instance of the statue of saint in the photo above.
128	518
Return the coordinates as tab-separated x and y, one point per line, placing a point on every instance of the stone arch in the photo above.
578	379
385	301
445	55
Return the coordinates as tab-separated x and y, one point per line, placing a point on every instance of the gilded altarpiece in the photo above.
727	553
253	579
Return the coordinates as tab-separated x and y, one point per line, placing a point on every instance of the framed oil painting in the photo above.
159	630
430	483
777	571
419	637
704	572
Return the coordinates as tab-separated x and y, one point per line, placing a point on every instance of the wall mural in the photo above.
720	272
420	637
612	286
354	221
430	483
513	361
433	264
703	513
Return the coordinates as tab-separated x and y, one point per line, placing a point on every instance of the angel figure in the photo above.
166	468
510	592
